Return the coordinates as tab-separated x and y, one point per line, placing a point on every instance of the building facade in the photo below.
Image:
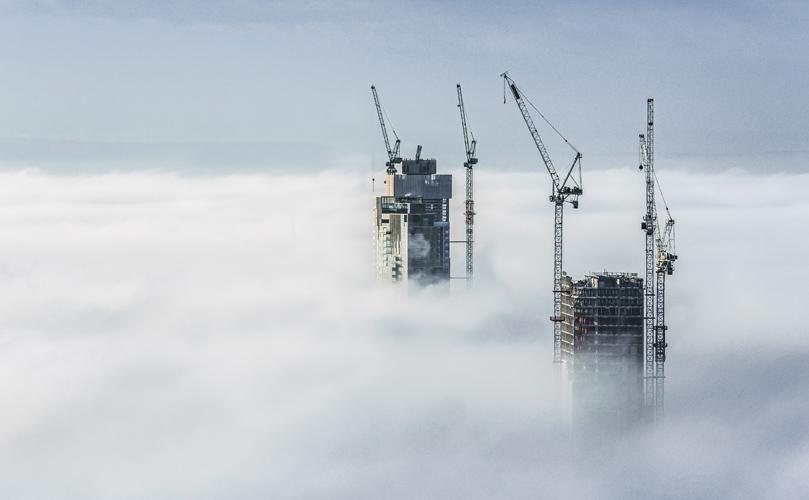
411	236
602	348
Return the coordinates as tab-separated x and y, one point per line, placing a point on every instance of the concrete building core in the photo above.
602	348
411	237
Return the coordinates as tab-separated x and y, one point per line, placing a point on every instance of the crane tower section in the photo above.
648	226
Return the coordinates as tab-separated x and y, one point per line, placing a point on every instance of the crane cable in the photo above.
657	182
389	123
540	114
469	127
551	125
659	235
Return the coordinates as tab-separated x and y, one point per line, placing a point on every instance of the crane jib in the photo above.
514	90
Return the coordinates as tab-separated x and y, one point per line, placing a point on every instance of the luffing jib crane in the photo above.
471	160
660	259
393	154
561	192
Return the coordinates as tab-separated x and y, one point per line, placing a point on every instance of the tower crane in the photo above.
393	154
471	160
660	259
561	192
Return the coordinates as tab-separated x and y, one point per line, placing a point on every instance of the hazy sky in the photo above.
165	334
266	85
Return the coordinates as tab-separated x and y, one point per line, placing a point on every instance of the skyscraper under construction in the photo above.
411	236
602	348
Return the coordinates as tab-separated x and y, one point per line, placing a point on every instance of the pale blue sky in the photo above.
181	85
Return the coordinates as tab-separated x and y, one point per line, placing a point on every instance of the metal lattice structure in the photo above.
659	263
648	226
561	192
393	153
469	214
665	266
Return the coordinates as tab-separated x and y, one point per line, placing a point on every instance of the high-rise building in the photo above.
411	234
602	348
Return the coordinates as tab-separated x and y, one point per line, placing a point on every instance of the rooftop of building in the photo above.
418	166
603	279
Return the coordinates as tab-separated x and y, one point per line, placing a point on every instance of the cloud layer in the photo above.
174	337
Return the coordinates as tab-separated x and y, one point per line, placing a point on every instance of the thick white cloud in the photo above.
173	337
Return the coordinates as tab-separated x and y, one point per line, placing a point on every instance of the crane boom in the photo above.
470	146
393	154
469	214
534	133
561	192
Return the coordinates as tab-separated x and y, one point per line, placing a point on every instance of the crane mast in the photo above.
665	265
469	214
560	193
660	259
648	226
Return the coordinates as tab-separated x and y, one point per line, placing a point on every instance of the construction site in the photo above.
602	348
609	328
